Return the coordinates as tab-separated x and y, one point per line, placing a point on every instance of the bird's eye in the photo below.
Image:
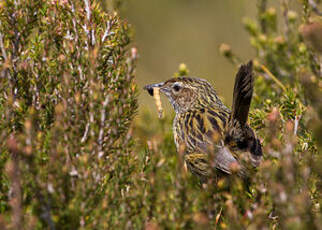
176	88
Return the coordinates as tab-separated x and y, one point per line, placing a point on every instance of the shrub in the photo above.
66	102
69	160
286	190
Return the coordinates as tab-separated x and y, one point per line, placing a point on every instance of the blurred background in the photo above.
66	167
170	32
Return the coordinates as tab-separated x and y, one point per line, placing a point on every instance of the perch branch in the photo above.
315	7
278	82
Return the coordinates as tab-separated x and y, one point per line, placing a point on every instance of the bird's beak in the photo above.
150	87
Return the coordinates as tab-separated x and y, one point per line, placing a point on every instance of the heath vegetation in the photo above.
71	156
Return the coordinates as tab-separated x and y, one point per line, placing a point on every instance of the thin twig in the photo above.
3	50
15	55
102	125
46	214
278	82
285	13
4	54
85	133
296	123
36	97
74	22
90	32
88	10
81	75
218	217
87	34
93	38
261	9
107	31
315	7
14	174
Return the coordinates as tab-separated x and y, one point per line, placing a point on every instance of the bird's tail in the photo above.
238	135
243	92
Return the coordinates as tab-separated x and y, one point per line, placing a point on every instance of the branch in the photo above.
90	33
46	214
261	9
81	75
4	54
315	7
93	37
278	82
107	31
36	96
74	21
103	117
285	13
85	133
3	50
296	123
13	171
88	10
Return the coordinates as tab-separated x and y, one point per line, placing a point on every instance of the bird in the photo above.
208	133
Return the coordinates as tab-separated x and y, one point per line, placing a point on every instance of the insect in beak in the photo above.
154	90
150	87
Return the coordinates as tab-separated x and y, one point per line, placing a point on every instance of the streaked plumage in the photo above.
206	131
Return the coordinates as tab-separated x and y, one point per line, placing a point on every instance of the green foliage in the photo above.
285	192
67	99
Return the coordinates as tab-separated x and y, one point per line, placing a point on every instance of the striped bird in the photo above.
206	131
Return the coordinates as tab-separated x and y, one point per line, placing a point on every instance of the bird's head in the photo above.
185	93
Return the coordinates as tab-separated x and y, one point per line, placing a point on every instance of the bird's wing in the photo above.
204	130
225	161
219	157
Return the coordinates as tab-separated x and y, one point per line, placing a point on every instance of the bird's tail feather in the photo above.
238	135
243	92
